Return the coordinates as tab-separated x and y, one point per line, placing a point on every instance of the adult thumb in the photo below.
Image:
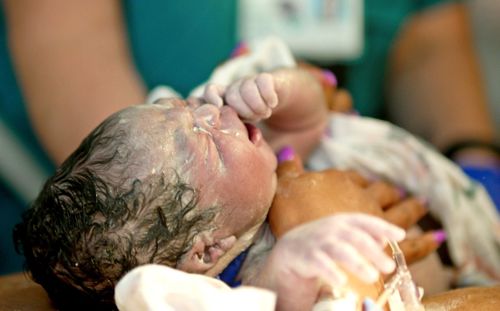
289	164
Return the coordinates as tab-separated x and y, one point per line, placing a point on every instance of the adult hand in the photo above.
403	211
305	196
309	197
345	191
337	99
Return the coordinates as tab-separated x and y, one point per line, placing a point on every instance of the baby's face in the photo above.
212	150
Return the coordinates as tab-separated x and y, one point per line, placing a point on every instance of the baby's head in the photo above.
175	183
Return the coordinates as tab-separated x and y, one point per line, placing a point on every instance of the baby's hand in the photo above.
323	248
253	98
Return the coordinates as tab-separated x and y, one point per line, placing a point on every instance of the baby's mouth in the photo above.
254	133
232	123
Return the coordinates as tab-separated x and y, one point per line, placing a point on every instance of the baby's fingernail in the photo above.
439	236
286	154
329	77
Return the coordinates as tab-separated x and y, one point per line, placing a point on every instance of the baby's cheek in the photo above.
252	194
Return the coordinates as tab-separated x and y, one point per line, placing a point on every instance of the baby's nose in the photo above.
207	116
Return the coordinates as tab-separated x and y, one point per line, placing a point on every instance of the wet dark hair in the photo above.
92	223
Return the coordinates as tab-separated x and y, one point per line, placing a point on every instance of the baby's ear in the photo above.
205	253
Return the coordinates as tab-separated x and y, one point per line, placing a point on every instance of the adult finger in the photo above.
290	165
406	213
419	247
357	178
384	193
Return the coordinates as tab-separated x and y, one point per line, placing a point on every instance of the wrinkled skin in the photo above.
206	146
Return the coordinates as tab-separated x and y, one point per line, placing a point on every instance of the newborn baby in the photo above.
182	183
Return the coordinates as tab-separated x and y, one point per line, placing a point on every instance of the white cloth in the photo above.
160	288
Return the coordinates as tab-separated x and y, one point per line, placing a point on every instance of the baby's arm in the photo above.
290	102
317	253
300	117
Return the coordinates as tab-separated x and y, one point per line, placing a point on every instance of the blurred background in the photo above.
485	16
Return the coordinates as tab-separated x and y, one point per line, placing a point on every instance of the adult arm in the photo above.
73	64
434	87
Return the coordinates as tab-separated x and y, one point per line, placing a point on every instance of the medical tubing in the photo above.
407	288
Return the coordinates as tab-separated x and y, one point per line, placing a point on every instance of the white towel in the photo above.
160	288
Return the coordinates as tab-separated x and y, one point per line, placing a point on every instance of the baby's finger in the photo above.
265	84
323	267
370	249
194	102
251	96
234	100
406	213
384	193
214	93
349	258
375	226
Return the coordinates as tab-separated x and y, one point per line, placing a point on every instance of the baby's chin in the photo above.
270	158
